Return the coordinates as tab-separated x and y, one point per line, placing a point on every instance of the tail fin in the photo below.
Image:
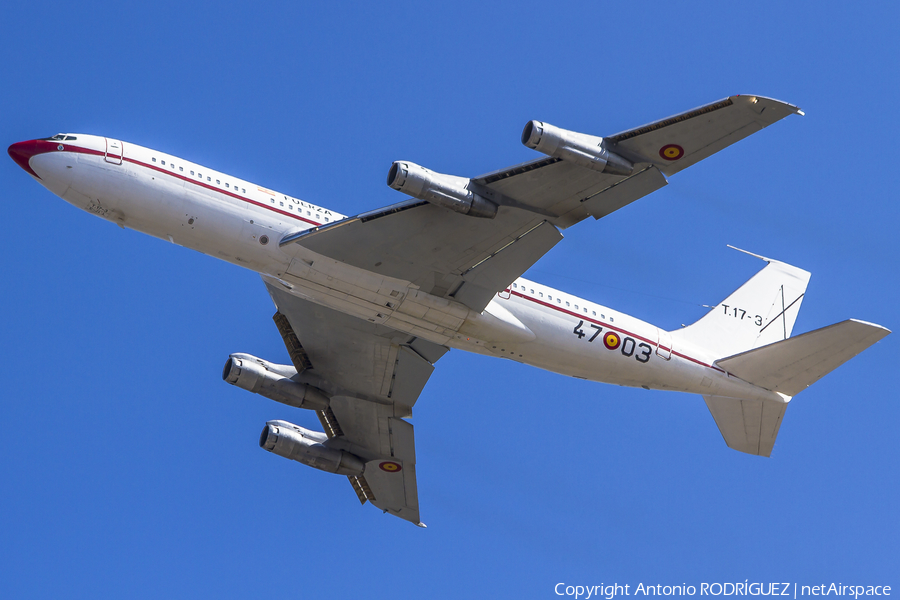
760	312
787	367
751	329
749	426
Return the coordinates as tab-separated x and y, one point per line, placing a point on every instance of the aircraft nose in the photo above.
21	152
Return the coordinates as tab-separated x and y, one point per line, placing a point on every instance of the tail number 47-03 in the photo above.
627	346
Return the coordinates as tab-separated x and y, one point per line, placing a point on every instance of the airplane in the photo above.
368	304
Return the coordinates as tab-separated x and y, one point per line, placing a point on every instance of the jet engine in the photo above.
272	381
579	148
308	447
448	191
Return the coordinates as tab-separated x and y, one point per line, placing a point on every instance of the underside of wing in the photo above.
442	253
502	222
349	355
679	141
655	150
370	376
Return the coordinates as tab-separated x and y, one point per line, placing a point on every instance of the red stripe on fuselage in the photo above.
608	326
201	184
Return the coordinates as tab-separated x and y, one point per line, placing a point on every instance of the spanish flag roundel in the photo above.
390	466
671	152
611	340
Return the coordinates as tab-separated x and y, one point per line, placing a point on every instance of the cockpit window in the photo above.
62	137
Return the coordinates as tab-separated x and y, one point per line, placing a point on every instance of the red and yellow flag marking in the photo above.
611	340
671	152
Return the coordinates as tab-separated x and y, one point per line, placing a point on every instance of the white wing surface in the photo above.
374	376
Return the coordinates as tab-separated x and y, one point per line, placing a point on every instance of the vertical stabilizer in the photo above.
749	426
760	312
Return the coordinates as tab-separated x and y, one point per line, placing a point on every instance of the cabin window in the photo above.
226	185
532	291
567	304
595	313
154	159
290	207
541	294
611	319
576	307
585	311
558	301
273	200
326	219
243	191
172	165
281	203
218	182
602	316
181	169
208	178
163	163
192	172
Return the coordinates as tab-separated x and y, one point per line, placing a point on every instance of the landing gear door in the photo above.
113	151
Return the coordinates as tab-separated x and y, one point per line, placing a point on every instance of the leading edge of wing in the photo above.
701	110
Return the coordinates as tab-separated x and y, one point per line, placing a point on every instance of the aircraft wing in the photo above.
469	259
373	373
374	376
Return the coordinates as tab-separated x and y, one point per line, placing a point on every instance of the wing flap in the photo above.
409	375
497	271
625	192
350	354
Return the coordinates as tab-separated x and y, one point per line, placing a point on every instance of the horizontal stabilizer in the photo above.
749	426
792	365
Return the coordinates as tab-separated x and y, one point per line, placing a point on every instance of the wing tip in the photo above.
884	330
754	98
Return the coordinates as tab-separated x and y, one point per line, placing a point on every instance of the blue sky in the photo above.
131	470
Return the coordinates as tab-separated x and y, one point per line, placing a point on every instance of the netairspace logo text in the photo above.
740	588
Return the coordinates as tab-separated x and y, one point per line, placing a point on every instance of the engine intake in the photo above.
448	191
308	447
579	148
272	381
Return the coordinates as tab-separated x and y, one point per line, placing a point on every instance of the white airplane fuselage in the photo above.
242	223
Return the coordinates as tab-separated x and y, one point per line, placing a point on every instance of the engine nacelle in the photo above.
448	191
584	150
272	381
308	447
